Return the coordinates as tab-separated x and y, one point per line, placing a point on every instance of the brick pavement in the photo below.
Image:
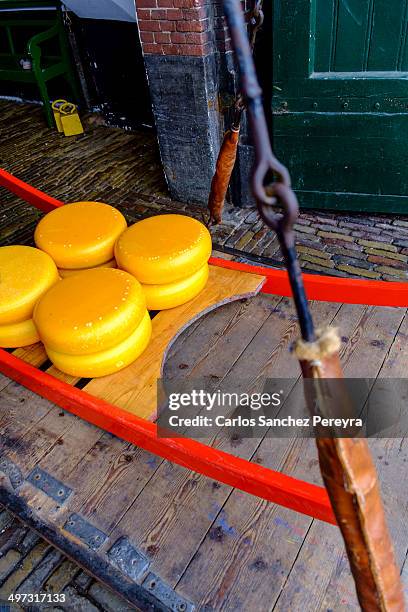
123	169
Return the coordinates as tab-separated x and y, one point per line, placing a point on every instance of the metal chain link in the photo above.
271	184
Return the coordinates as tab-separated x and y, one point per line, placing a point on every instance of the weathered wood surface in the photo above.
218	547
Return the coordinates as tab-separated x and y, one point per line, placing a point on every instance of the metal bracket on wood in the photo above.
12	471
49	485
84	531
166	595
128	559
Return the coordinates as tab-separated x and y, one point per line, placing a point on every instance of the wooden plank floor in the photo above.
217	547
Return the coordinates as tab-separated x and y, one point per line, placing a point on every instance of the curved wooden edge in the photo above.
252	478
28	193
327	288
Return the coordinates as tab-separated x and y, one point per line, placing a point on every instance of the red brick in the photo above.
151	48
165	3
143	14
196	38
146	37
174	14
192	26
167	26
158	14
187	3
146	4
171	49
195	14
162	37
178	38
149	26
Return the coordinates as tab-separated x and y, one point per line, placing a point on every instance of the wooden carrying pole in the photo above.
351	480
346	464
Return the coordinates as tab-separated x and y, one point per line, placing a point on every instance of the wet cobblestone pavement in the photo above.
123	169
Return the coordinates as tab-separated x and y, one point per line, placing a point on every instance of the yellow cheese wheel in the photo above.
169	295
80	235
14	335
163	249
25	274
69	272
105	362
90	312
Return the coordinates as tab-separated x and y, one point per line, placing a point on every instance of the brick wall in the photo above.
175	27
182	27
181	43
187	53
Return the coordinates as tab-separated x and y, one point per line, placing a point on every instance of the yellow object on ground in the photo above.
169	295
64	273
25	274
163	249
14	335
94	323
56	107
80	235
70	121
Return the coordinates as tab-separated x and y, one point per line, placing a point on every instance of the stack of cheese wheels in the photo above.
94	323
169	255
25	275
80	236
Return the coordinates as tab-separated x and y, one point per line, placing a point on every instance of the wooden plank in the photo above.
181	499
242	518
95	483
226	573
83	439
135	388
28	449
34	354
68	378
191	454
182	504
20	411
90	473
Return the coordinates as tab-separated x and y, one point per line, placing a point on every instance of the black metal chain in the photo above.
255	21
271	184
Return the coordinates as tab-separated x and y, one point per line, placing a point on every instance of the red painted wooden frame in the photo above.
250	477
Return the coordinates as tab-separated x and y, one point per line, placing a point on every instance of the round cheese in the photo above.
25	274
90	312
69	272
169	295
80	235
14	335
163	249
109	361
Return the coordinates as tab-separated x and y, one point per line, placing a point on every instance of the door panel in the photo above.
340	101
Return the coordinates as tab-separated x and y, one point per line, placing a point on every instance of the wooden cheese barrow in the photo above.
125	403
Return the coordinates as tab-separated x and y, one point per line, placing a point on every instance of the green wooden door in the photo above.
340	101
